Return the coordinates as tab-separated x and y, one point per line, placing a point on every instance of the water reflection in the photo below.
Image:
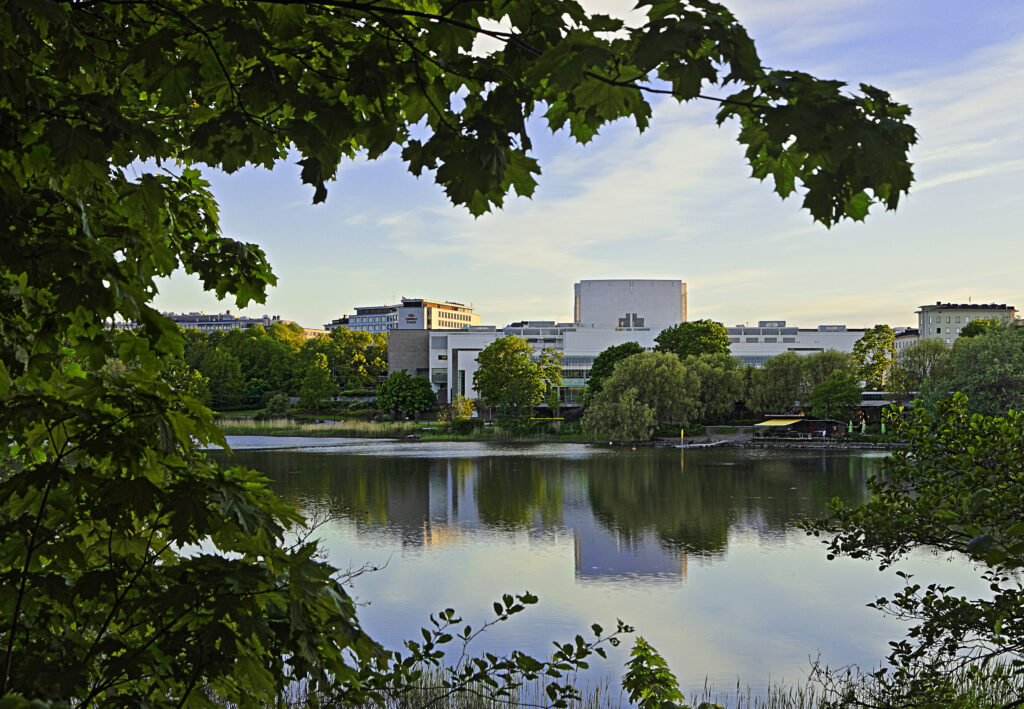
631	514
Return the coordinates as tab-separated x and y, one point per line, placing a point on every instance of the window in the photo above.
967	319
947	340
751	340
958	318
947	318
771	339
789	339
444	356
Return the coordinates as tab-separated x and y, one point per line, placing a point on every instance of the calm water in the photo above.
697	549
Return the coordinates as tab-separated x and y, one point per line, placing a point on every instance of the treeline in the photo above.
262	367
691	378
986	363
646	389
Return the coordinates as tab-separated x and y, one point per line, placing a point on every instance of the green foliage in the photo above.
836	397
278	403
777	386
624	418
921	366
698	337
874	353
819	366
653	381
224	373
255	392
604	365
514	380
649	682
989	369
721	384
956	488
400	392
979	326
318	385
461	409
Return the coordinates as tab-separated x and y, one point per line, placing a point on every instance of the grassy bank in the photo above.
425	430
334	429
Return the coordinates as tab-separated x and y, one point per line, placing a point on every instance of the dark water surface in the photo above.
697	549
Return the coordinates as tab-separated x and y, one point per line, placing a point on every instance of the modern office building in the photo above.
410	314
629	304
754	345
451	355
945	320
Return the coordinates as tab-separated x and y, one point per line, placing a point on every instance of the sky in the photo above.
677	202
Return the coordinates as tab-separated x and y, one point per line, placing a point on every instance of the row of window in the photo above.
767	340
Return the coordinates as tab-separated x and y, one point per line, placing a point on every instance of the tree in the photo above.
776	387
625	418
660	381
400	392
109	111
836	397
920	366
255	392
604	365
874	353
278	403
693	338
225	375
318	385
989	369
819	366
979	326
955	488
511	378
721	384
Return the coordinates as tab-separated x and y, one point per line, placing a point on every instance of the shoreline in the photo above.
696	442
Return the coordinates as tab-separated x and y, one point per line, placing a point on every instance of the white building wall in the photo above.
631	303
754	345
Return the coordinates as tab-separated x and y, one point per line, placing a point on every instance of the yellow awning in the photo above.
778	422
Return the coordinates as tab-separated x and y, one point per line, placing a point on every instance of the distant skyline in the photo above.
677	202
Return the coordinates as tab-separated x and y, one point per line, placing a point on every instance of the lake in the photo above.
698	549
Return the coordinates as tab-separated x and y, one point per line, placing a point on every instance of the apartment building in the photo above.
945	320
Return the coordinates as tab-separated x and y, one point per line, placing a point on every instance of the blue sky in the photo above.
677	202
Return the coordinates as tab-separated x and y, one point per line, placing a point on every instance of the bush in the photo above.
464	427
278	403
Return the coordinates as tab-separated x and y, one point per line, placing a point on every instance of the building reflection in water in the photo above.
639	514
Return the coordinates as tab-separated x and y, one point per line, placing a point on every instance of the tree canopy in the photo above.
400	392
512	378
604	365
874	353
690	339
659	381
989	369
110	110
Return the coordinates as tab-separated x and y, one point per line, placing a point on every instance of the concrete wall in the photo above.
409	350
643	303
